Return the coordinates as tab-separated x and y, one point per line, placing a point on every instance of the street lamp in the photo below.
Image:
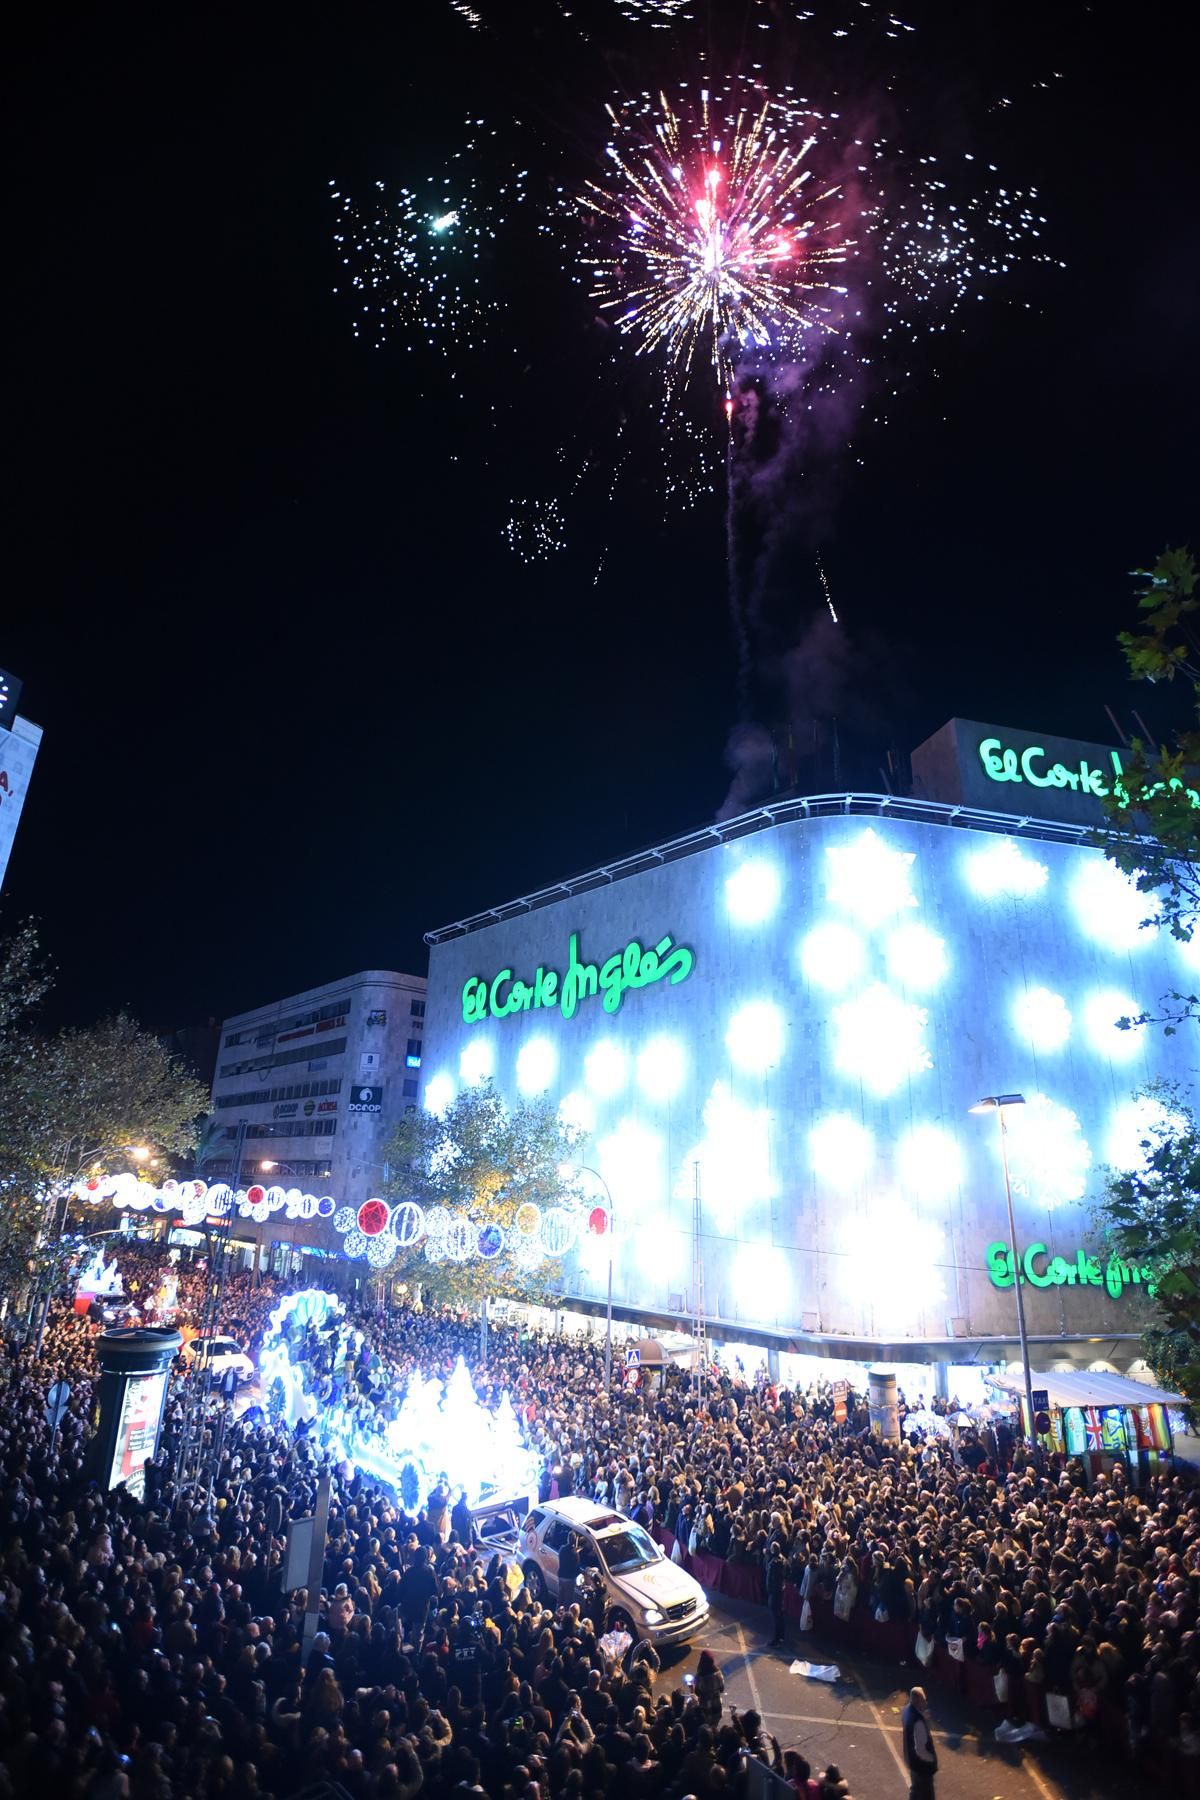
996	1103
570	1171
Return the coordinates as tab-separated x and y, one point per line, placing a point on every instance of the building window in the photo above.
414	1046
417	1009
410	1090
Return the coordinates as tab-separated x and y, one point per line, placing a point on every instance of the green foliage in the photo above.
490	1159
1151	1218
74	1102
1153	816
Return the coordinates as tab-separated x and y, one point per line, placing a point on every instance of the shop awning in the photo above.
1085	1387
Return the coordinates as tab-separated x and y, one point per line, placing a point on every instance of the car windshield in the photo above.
628	1549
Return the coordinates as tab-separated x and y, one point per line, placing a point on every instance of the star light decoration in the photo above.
1004	870
734	1155
870	881
1048	1155
880	1039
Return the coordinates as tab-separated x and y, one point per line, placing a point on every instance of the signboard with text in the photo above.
137	1430
365	1100
996	769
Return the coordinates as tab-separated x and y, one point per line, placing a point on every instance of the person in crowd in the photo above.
920	1752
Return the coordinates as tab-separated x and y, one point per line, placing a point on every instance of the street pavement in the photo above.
856	1721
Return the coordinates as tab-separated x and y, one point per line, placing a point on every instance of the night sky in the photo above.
300	702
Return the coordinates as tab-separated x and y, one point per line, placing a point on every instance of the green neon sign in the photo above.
1040	1269
632	967
1002	763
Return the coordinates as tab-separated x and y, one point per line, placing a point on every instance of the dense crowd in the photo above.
149	1648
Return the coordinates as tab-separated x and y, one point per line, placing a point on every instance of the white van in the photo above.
648	1595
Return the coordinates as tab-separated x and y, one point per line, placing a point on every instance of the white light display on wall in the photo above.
929	1163
869	880
477	1062
916	957
1101	1012
752	892
755	1037
631	1159
762	1278
1134	1131
578	1110
1041	1019
1049	1157
1005	870
439	1094
1108	906
537	1066
736	1173
879	1039
832	956
896	1260
841	1151
606	1068
662	1068
660	1248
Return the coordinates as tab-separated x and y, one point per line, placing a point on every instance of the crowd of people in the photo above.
150	1649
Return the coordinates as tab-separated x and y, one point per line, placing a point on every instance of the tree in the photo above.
75	1103
1154	812
489	1160
1151	1219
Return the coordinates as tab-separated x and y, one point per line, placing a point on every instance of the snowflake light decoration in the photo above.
734	1157
870	881
1042	1019
1004	870
1048	1155
880	1039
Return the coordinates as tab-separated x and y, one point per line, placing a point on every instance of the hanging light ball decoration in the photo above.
528	1219
344	1219
460	1239
490	1242
373	1216
408	1223
560	1229
598	1221
355	1244
255	1195
381	1250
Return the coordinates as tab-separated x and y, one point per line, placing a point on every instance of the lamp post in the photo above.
996	1103
586	1169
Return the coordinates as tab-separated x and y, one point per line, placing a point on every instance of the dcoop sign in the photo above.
627	969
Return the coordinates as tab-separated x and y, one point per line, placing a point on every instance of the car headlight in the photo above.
652	1616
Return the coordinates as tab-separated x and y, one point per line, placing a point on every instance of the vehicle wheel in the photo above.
535	1581
619	1620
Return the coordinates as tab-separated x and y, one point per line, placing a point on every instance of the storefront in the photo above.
790	1016
1101	1419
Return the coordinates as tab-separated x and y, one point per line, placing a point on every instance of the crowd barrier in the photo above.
895	1641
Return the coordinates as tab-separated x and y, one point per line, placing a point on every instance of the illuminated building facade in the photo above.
19	745
803	1003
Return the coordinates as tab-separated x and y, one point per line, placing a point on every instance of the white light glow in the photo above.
1003	869
755	1037
880	1039
929	1163
1134	1129
606	1068
579	1111
1041	1019
439	1093
762	1281
832	956
736	1172
662	1069
894	1266
477	1062
661	1248
1100	1014
537	1065
1108	906
631	1160
841	1151
1048	1155
916	957
752	892
869	880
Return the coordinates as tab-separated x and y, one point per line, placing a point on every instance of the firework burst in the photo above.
720	236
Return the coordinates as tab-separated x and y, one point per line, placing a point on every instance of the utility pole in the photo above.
199	1379
700	1327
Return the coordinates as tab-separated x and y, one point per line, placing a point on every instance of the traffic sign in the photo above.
1041	1400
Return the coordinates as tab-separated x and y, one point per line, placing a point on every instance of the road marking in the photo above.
1035	1775
748	1666
875	1714
837	1721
